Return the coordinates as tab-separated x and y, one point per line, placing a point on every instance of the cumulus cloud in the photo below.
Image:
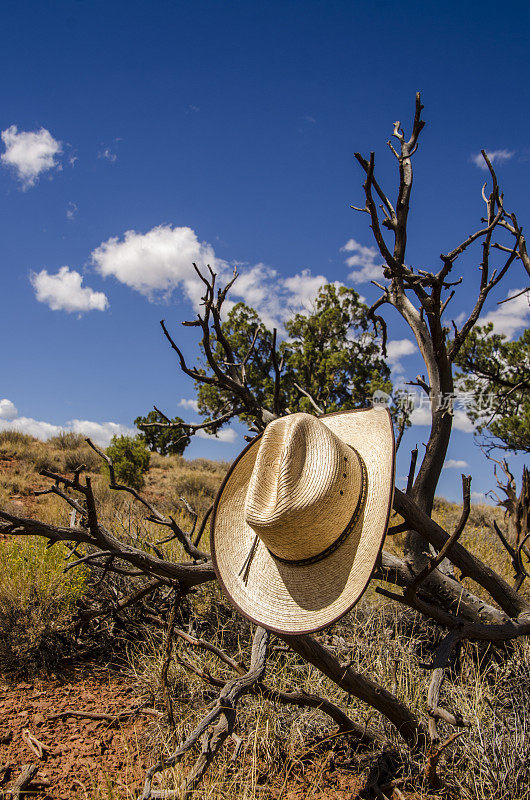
100	432
397	348
191	404
8	410
494	156
157	262
33	427
260	287
226	436
30	153
303	288
461	422
367	259
455	463
64	291
511	316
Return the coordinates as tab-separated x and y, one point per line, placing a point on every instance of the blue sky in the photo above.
225	131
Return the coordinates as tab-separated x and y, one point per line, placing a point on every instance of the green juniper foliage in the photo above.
497	374
330	352
166	441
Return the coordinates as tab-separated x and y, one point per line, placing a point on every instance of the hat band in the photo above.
303	562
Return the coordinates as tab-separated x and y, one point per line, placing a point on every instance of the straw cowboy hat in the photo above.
299	520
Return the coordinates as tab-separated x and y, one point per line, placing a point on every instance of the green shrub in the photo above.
130	457
37	600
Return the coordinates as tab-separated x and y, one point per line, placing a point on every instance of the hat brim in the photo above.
304	599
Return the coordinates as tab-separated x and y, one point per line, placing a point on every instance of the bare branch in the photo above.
223	714
310	398
435	561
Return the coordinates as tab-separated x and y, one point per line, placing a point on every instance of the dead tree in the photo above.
421	578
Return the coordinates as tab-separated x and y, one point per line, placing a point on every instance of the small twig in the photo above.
28	773
202	527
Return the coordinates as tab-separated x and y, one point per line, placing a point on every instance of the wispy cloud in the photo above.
64	291
480	497
367	259
71	210
495	156
108	155
30	153
455	463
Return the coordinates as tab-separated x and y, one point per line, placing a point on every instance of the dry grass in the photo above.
281	745
286	746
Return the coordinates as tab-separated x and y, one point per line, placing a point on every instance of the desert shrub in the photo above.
130	457
15	437
67	440
198	488
37	600
49	459
82	455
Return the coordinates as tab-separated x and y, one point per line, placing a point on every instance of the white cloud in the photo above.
455	463
226	436
33	427
107	154
8	409
191	404
303	288
259	287
157	262
397	348
30	153
494	156
160	261
510	316
367	258
64	292
71	210
461	422
100	432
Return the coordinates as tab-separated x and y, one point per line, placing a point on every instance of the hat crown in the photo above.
304	488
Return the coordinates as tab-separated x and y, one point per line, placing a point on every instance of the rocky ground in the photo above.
76	757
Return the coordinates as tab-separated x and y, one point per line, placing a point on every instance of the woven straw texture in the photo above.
299	499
